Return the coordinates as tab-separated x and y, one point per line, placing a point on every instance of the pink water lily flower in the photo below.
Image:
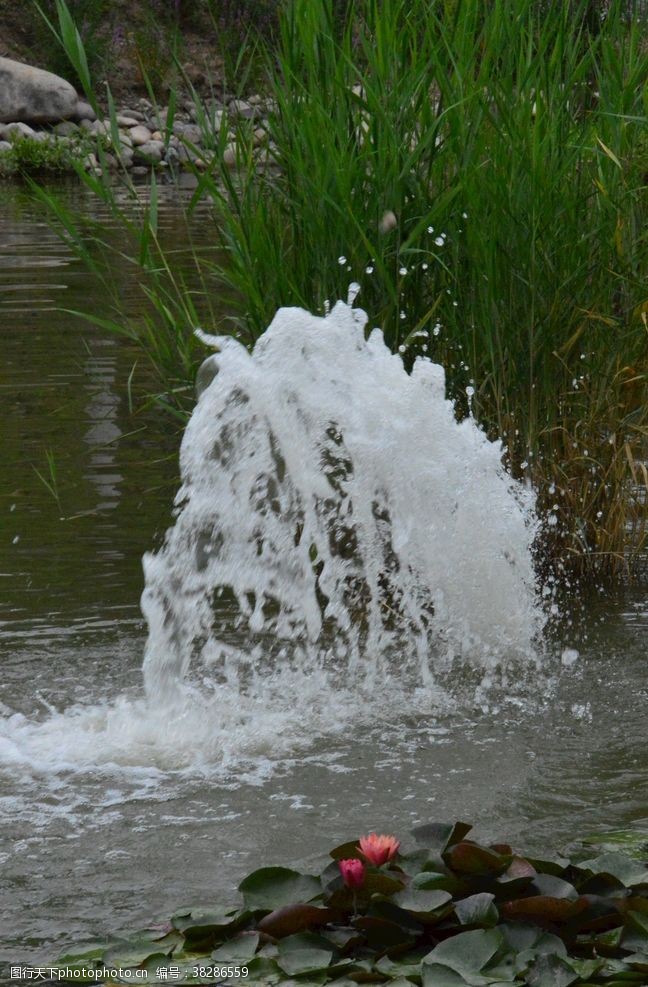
377	850
353	873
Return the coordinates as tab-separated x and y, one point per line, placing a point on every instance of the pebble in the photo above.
140	135
144	141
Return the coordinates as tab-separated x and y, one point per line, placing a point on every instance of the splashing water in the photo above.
350	523
341	545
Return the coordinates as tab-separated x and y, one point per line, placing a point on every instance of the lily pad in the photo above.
304	953
290	919
272	887
478	909
471	858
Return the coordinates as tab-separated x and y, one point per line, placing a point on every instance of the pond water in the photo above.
95	840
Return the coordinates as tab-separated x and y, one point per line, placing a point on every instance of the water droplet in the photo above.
425	266
430	229
369	269
402	271
342	260
439	240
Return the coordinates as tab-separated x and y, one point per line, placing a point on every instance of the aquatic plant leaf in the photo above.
542	909
347	851
290	919
471	858
432	881
402	966
205	917
521	938
131	954
383	933
635	932
271	887
263	970
304	953
551	970
242	947
439	836
626	869
419	902
633	843
478	909
554	887
466	954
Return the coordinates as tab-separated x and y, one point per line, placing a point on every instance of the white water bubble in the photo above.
569	657
342	260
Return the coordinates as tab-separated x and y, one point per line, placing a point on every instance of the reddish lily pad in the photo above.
289	919
542	909
471	858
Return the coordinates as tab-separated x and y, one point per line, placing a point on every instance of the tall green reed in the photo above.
508	143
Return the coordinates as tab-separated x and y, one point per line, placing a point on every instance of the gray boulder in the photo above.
33	95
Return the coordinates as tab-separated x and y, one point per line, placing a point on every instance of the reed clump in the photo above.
505	143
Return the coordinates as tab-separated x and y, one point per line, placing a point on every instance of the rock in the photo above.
260	135
188	131
32	95
157	136
87	125
140	170
135	115
127	120
83	111
229	156
151	151
172	157
90	162
66	129
13	131
242	109
4	147
140	135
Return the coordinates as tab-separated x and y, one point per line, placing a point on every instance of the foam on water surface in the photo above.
341	545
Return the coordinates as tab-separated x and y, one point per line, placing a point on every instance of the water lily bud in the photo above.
353	872
377	850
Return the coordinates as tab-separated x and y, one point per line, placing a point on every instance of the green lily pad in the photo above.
626	869
128	955
421	903
554	887
466	955
243	947
551	970
304	952
272	887
438	836
478	909
635	932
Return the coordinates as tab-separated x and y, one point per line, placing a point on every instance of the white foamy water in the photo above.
342	546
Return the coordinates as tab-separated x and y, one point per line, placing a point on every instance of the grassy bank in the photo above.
481	172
